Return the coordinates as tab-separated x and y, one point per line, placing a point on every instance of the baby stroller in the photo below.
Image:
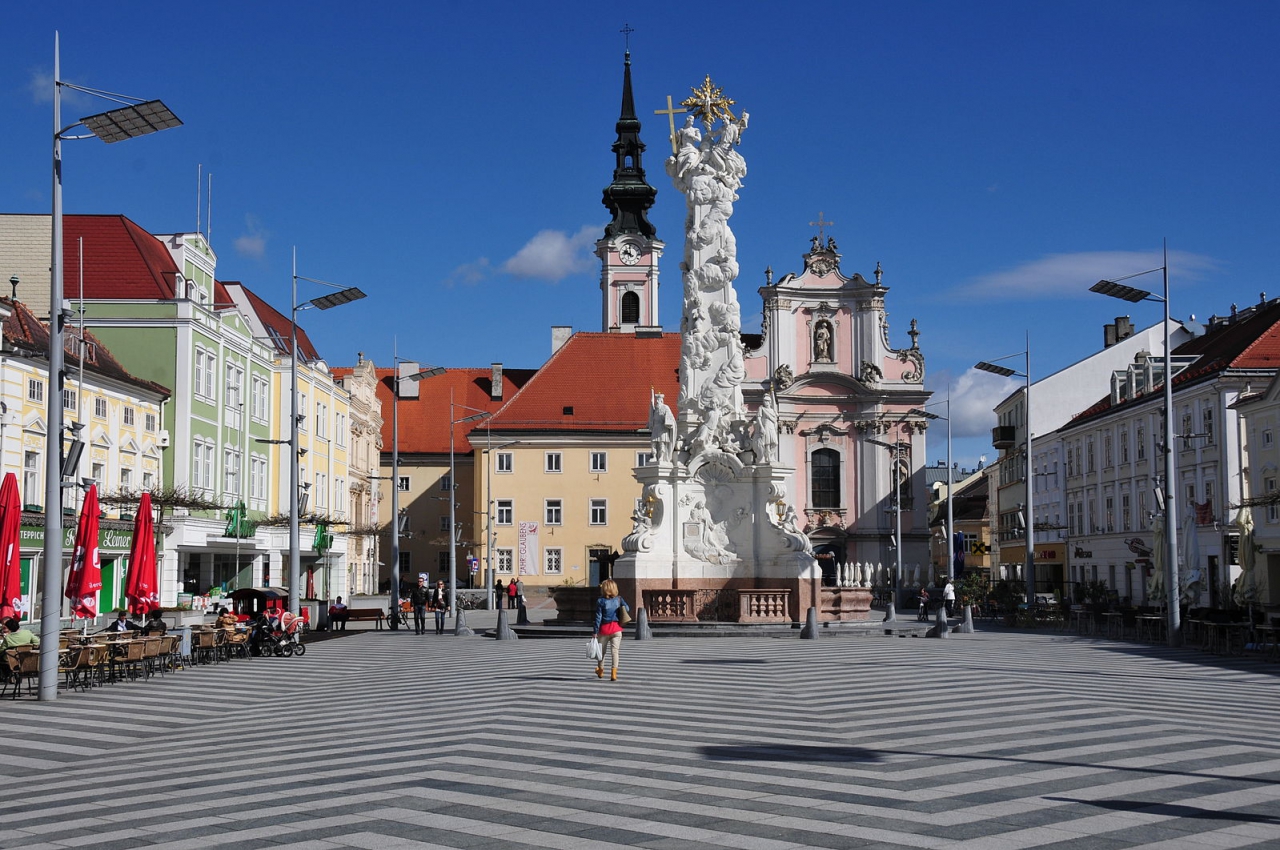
289	635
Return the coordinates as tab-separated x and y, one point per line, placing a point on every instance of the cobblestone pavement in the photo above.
388	740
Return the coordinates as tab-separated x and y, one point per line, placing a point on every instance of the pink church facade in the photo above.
845	398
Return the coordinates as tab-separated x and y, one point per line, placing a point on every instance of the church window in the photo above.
824	471
630	308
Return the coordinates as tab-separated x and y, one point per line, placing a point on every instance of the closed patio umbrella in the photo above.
1251	587
85	578
142	589
11	603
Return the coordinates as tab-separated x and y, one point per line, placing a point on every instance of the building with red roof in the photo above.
1113	462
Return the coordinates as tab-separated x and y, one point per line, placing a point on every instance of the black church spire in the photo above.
628	196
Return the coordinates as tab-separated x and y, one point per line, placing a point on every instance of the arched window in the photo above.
630	308
824	478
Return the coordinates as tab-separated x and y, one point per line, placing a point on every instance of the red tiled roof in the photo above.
1251	340
275	321
24	332
603	379
424	421
121	260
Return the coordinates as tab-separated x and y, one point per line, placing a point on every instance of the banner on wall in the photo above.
527	538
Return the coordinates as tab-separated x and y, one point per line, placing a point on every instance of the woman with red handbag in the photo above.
611	614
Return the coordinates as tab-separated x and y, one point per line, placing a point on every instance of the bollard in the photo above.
966	626
643	632
460	625
940	629
504	631
810	630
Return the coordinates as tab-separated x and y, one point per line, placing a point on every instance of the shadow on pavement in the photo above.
1173	810
789	753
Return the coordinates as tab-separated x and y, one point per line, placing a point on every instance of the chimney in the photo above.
1108	336
495	382
559	336
1124	328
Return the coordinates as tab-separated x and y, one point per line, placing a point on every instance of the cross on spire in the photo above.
626	32
670	112
821	224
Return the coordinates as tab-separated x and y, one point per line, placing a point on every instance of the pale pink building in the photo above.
839	383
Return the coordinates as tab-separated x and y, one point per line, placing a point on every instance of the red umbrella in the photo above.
142	588
10	554
85	579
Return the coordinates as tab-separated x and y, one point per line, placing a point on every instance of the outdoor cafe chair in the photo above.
151	655
128	657
22	664
204	647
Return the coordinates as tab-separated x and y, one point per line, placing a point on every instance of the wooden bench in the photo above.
355	615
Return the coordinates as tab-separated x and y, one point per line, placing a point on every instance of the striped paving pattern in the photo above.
387	740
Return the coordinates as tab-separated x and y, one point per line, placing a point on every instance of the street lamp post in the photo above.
343	295
453	501
393	581
132	119
1029	507
896	503
1115	289
951	529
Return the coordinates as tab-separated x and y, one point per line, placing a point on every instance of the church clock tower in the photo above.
629	251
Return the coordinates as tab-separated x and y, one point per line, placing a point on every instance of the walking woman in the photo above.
609	620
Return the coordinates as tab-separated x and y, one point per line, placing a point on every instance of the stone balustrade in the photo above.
670	606
763	606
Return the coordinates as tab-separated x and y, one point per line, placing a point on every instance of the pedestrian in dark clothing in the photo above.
439	602
499	591
418	599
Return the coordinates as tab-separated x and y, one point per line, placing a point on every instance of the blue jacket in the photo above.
607	610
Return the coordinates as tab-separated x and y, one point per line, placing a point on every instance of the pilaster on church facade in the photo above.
844	395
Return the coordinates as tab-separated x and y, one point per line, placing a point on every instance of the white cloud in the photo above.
254	243
1058	275
40	84
974	397
469	274
553	255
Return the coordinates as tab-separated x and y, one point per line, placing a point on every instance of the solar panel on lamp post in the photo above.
1030	531
1133	295
133	118
344	295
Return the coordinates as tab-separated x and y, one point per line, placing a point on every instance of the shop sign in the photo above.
32	537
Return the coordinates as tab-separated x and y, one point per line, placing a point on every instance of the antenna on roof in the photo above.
199	182
208	237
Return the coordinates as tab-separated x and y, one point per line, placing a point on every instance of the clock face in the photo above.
629	254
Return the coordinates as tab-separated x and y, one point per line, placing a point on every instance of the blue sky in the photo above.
996	157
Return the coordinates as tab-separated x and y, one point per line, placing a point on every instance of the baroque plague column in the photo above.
715	535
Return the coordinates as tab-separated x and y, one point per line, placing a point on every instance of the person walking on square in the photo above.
608	628
499	591
418	599
949	596
439	601
513	590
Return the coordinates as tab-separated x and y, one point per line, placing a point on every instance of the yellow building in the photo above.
561	485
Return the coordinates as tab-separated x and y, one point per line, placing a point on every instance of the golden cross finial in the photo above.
709	103
670	112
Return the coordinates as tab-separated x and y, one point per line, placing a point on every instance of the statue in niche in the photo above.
822	342
765	428
662	429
